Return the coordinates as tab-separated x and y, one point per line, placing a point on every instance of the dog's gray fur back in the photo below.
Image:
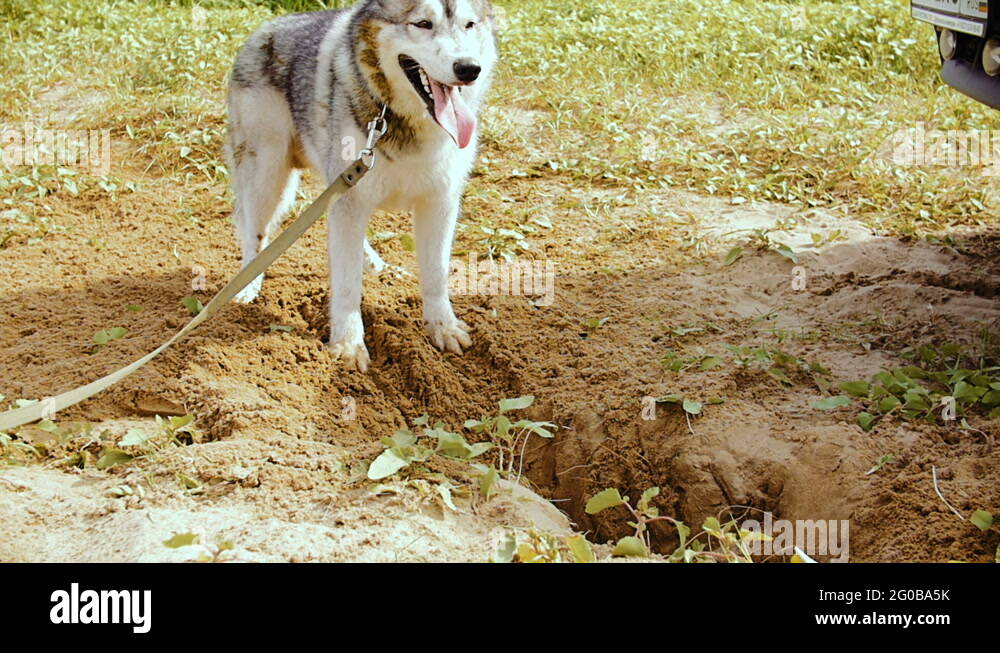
283	54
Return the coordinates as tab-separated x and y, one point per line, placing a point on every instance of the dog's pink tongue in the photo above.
453	114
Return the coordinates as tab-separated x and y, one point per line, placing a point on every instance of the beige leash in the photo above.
340	186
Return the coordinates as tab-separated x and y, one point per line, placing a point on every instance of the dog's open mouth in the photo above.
444	102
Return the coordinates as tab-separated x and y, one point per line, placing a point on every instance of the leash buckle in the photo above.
376	130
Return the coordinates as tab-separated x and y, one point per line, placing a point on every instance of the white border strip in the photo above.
966	8
950	22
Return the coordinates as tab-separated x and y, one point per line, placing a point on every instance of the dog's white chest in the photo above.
431	176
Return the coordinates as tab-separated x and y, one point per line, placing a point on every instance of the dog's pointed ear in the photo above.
391	10
397	6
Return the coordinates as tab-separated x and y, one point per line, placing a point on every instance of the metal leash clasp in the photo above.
376	130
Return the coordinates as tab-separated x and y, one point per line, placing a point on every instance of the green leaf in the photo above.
543	222
406	240
693	407
445	491
856	388
450	444
181	422
487	481
506	549
965	392
885	379
181	539
402	438
603	500
982	519
132	438
787	252
866	421
538	428
915	400
644	505
734	255
520	403
880	463
779	375
502	427
630	547
479	449
710	363
889	404
580	548
193	304
832	403
106	336
683	532
113	457
981	379
386	465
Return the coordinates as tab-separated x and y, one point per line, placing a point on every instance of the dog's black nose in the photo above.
467	70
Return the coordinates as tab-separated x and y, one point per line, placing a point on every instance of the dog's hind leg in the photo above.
264	181
373	262
264	194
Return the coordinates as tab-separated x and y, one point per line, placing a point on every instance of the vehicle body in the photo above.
968	35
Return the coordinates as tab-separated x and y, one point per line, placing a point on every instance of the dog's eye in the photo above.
470	24
424	24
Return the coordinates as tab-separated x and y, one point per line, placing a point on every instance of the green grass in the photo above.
745	102
780	101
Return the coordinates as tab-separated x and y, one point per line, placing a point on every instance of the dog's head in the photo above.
437	57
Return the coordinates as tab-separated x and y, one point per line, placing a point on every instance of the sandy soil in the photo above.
277	468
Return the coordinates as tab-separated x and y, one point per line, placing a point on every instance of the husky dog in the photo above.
302	92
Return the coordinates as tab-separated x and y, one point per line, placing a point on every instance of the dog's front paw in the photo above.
452	336
347	340
353	354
